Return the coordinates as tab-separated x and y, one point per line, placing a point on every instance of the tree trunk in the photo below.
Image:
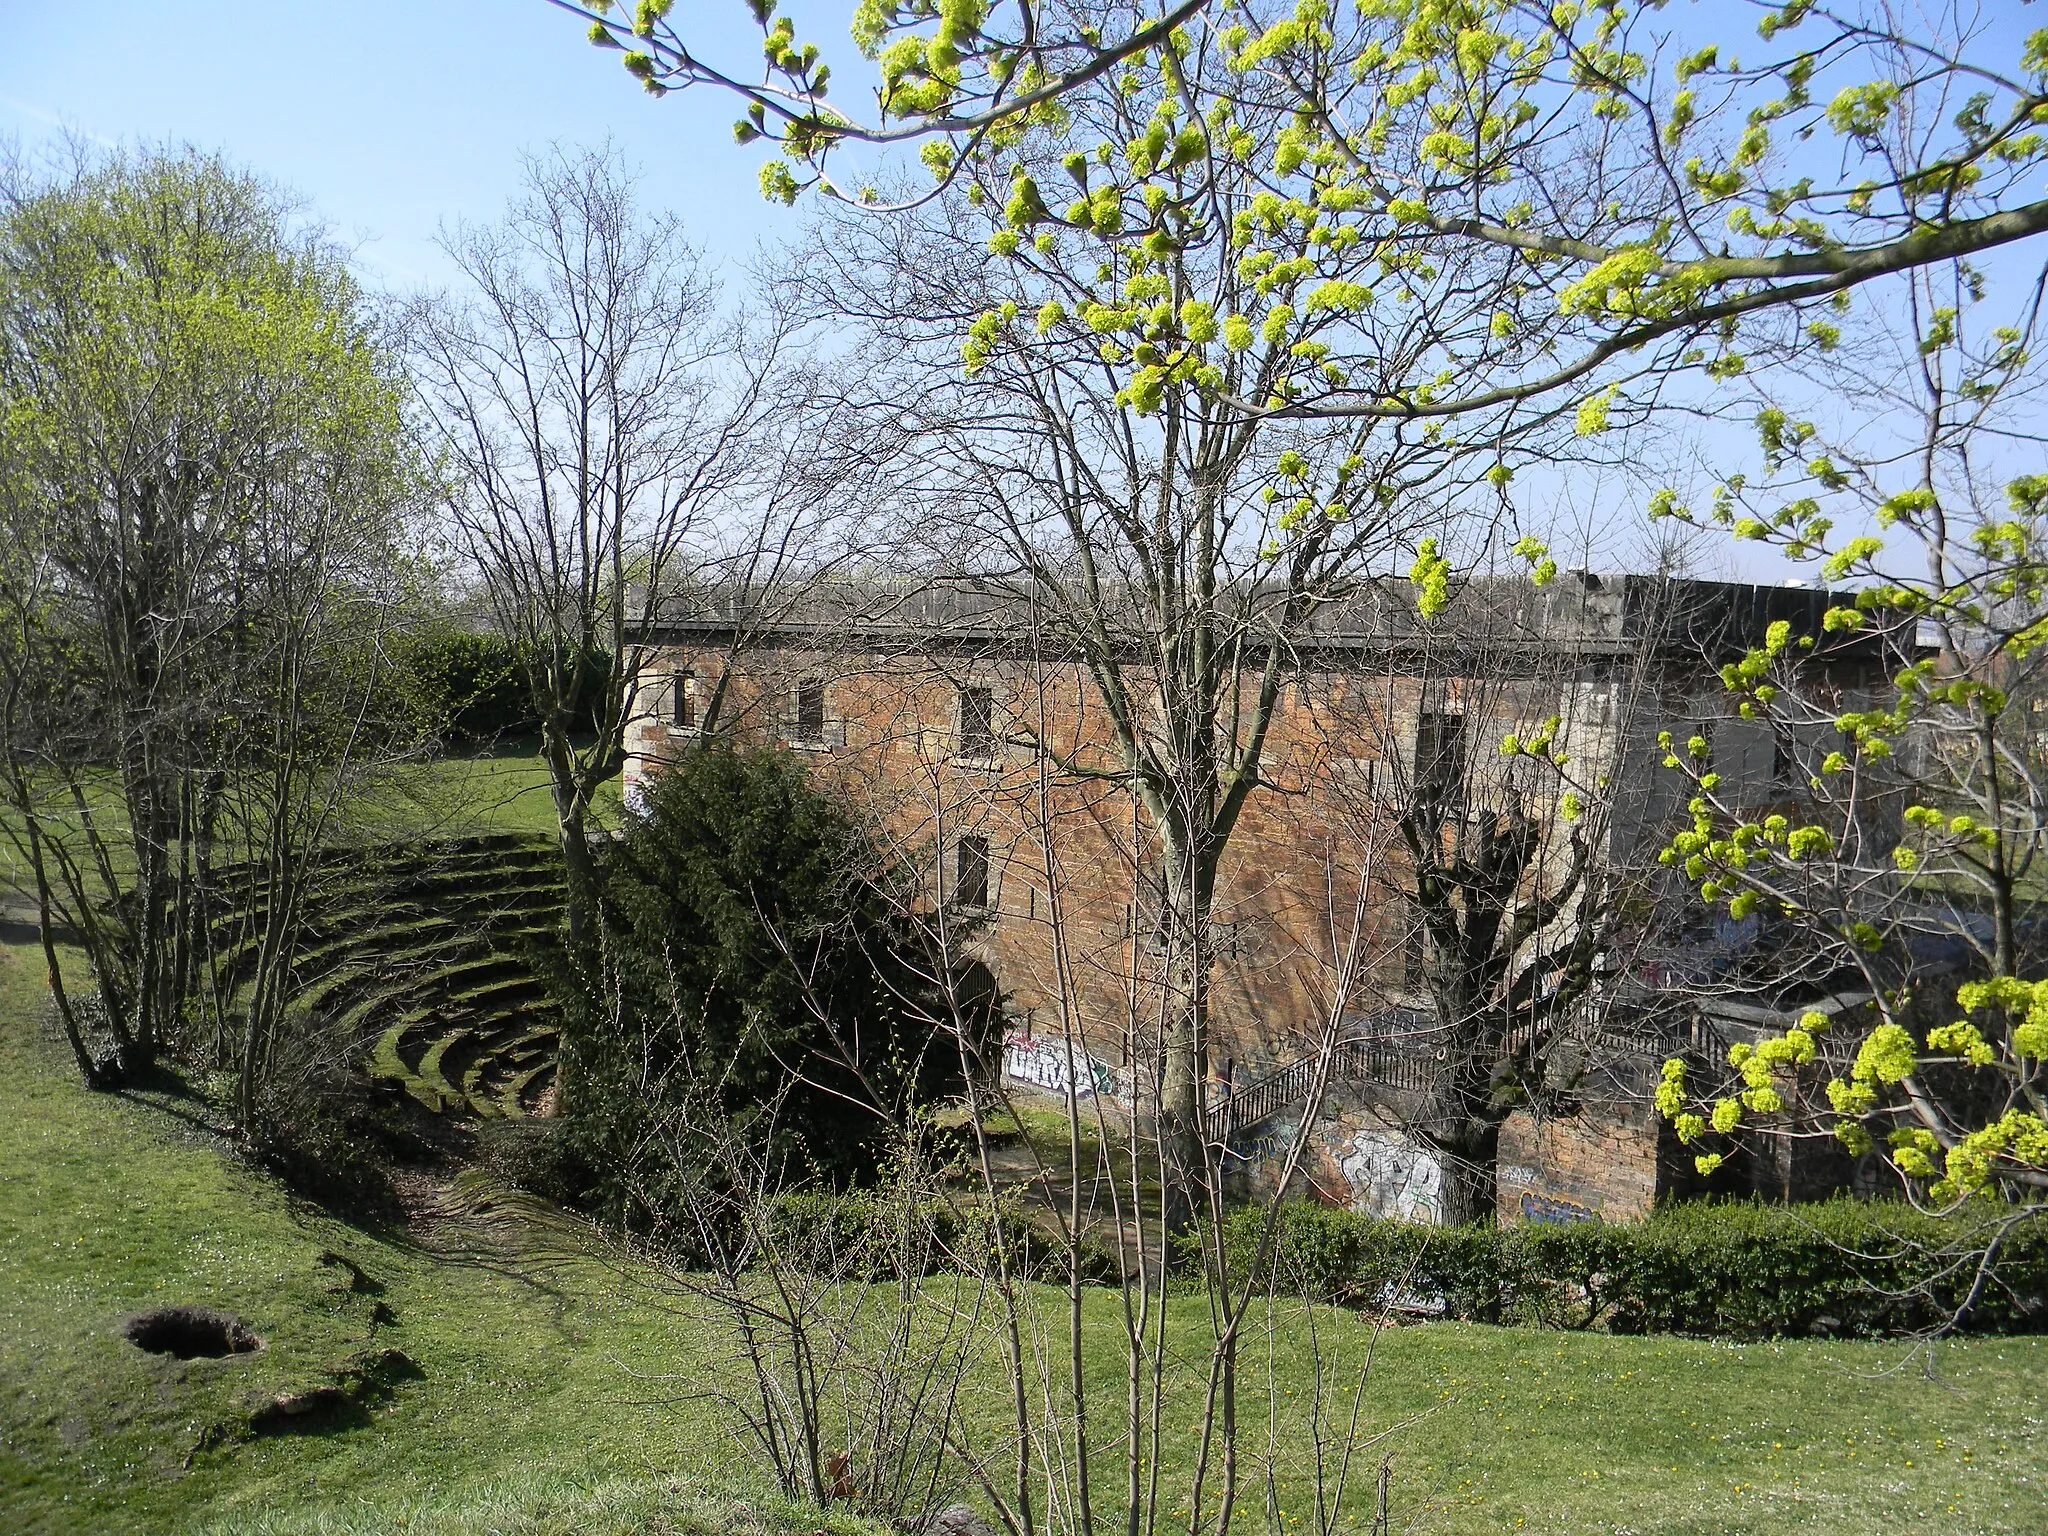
46	932
1185	963
1468	1151
579	867
579	878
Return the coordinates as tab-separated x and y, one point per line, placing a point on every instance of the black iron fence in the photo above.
1405	1059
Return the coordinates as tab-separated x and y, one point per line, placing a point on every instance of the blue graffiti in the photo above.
1554	1210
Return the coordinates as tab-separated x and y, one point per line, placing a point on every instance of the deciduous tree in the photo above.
1657	176
204	480
1902	866
599	414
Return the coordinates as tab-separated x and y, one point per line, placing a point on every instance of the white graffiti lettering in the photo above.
1052	1064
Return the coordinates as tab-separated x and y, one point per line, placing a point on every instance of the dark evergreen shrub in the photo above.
754	966
532	1154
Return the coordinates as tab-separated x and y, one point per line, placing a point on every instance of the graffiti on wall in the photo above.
1554	1210
1049	1062
1265	1146
1390	1176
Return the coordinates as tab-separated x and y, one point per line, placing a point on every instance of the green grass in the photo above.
111	1205
501	791
543	1503
555	1399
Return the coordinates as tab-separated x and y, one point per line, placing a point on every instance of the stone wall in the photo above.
1579	1167
1070	850
1602	1165
1285	907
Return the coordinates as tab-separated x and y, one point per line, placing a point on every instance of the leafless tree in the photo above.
1503	750
601	416
1178	548
1053	1193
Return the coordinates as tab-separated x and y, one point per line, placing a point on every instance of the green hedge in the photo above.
468	687
1710	1269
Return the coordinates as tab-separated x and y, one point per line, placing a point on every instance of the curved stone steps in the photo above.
404	1041
465	1061
453	967
397	863
519	1091
327	957
492	1066
232	897
402	1045
362	980
430	1084
422	953
418	945
387	925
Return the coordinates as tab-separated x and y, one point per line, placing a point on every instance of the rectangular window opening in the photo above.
685	701
970	873
810	710
977	722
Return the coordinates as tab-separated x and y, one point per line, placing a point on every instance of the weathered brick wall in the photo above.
1286	905
1602	1165
1073	851
1574	1167
1065	846
1309	912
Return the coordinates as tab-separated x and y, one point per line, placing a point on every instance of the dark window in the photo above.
686	700
1440	757
977	722
970	872
810	709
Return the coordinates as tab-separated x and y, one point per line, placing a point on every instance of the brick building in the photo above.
982	747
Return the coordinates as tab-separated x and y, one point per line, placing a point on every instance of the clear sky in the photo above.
387	117
393	118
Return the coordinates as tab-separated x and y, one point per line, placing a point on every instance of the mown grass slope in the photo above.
112	1205
554	1398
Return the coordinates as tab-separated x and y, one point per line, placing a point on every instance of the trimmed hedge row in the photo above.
468	686
1708	1269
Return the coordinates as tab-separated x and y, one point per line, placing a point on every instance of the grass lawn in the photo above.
551	1400
503	789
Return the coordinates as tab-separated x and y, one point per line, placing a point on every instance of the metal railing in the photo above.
1405	1063
1383	1062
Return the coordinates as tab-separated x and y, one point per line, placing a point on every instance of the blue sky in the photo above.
393	118
388	117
